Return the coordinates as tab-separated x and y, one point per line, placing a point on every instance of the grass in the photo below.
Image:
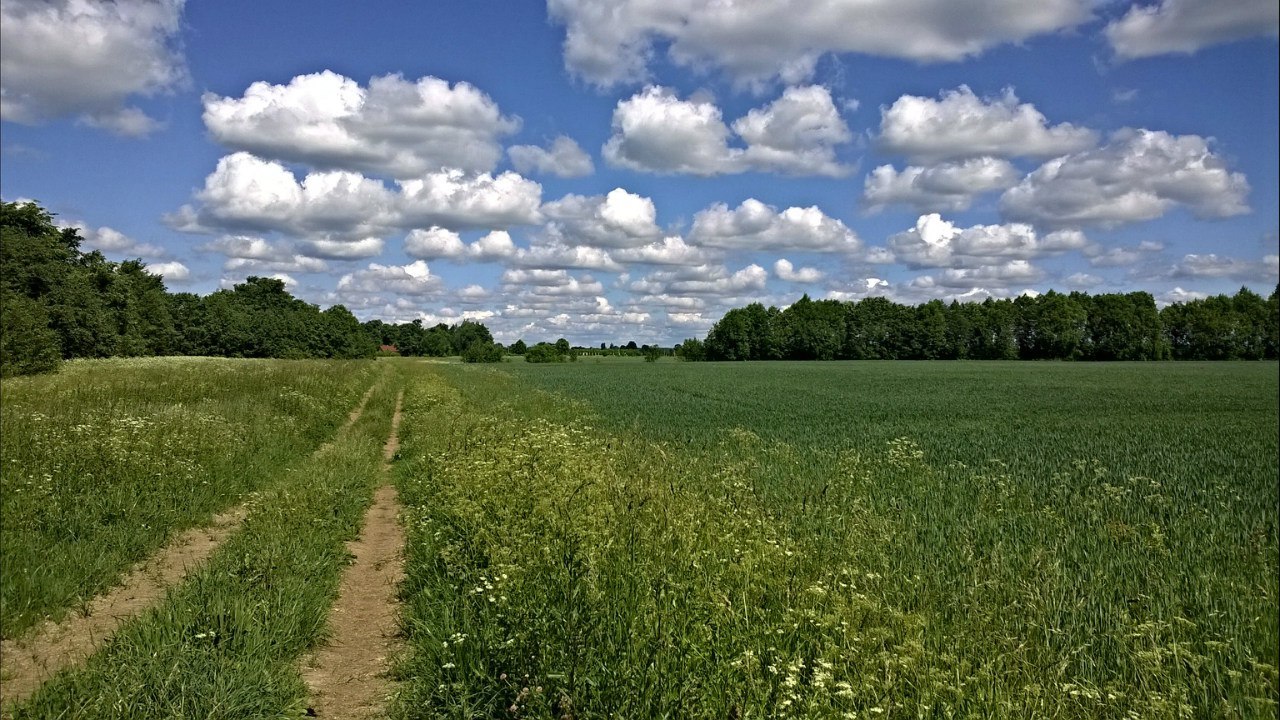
226	643
866	540
842	540
105	461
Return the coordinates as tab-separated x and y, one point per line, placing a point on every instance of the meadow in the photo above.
842	540
106	460
701	540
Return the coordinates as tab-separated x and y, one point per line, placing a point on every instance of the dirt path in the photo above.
31	660
28	662
360	410
347	676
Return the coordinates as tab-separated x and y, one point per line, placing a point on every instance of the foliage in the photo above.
480	351
1243	327
691	349
549	353
441	340
1051	326
27	345
96	308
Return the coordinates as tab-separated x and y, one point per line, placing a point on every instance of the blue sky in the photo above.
609	170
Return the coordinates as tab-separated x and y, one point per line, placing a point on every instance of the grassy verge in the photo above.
557	570
225	643
105	461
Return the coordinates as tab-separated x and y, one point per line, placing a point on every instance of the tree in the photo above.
1123	327
27	345
931	332
871	329
806	330
1272	348
1051	326
346	339
518	347
467	333
692	350
730	338
480	351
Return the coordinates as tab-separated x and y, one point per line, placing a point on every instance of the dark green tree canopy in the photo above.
1052	326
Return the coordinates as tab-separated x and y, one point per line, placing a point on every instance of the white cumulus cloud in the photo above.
671	250
619	219
172	271
786	271
1212	265
756	226
246	192
655	131
395	127
609	42
249	253
1137	175
412	279
84	59
935	242
949	186
433	243
796	134
563	159
1185	26
962	125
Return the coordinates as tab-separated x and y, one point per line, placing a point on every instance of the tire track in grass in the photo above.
28	662
347	676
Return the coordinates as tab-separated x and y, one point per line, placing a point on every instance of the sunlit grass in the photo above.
649	554
103	462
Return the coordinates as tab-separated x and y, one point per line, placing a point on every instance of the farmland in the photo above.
843	540
869	539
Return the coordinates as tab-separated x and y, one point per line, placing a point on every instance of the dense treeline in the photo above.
412	338
58	302
1077	326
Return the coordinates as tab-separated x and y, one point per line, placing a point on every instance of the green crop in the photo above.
842	540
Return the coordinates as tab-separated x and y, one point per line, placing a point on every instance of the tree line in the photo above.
1075	326
58	302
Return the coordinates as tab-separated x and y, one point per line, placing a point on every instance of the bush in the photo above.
482	352
544	353
27	345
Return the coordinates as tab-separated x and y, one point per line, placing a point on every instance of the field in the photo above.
627	539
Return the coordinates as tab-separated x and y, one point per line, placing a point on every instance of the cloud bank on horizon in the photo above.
670	161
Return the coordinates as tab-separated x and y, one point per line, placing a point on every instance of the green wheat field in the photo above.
684	540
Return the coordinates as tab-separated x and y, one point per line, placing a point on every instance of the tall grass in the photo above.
226	643
103	462
565	565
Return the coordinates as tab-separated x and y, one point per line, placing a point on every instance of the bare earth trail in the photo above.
28	662
347	676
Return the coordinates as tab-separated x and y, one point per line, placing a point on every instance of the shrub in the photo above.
482	352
